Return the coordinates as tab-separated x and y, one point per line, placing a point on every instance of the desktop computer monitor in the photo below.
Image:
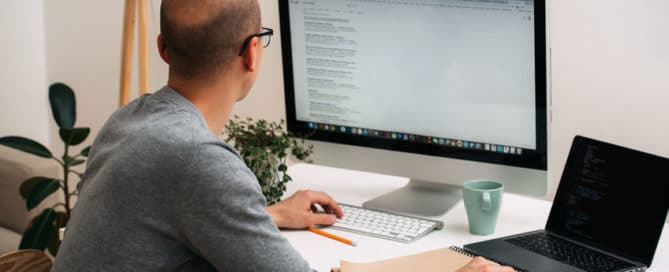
439	91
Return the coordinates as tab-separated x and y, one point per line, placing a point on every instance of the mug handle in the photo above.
486	204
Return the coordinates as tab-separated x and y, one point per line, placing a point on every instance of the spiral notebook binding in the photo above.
462	251
469	254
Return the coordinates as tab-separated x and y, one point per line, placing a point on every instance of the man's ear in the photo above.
162	49
250	56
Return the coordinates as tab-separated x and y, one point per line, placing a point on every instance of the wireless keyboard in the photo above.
385	225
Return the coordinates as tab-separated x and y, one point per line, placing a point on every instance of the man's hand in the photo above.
480	264
296	212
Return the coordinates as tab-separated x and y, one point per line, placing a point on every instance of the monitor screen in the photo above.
454	78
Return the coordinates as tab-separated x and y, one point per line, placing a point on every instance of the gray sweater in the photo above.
161	193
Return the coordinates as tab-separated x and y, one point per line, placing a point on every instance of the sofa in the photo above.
15	167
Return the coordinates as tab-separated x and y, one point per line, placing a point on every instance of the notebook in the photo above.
438	260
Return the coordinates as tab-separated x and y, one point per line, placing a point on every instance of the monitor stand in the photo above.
418	198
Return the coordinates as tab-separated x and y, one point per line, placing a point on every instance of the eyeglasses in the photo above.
265	35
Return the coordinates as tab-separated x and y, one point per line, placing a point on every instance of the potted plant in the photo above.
43	230
264	146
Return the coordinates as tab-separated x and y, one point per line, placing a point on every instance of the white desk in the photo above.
518	214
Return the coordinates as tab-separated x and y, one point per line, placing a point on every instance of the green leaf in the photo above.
28	185
77	162
60	220
26	145
40	191
74	136
40	231
63	105
84	152
54	243
283	168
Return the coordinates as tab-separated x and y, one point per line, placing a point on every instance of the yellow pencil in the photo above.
332	236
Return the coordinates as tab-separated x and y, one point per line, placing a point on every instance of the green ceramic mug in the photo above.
483	199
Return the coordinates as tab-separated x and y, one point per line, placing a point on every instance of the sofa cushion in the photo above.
16	167
10	241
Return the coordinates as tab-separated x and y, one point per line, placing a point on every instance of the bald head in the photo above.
202	37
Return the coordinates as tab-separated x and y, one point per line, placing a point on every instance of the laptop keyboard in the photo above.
569	253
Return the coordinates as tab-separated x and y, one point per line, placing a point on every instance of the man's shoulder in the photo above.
156	120
162	129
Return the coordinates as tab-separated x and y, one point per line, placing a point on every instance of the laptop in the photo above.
608	215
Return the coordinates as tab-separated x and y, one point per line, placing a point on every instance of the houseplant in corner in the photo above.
42	232
264	147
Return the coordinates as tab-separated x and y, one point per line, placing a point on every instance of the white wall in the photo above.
610	74
610	68
24	107
83	41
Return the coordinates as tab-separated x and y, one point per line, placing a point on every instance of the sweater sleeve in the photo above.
221	215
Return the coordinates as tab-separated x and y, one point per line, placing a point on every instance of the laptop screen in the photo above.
613	198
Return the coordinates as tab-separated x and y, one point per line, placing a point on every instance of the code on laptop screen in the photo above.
613	198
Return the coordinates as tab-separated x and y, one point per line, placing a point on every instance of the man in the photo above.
161	191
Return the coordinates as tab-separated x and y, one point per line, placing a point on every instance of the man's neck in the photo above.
215	100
